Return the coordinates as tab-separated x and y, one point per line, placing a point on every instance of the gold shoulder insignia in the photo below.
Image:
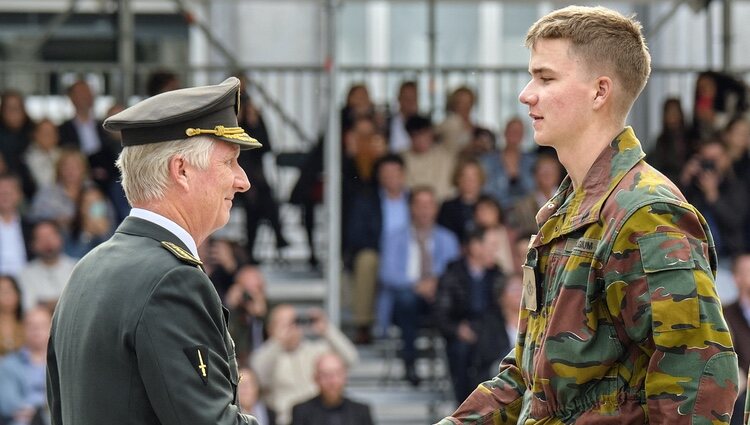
181	254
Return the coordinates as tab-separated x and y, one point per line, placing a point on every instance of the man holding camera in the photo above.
711	186
246	300
285	363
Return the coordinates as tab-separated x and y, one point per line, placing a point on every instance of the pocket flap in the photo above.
665	251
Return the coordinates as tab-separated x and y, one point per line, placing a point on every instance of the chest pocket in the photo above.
669	264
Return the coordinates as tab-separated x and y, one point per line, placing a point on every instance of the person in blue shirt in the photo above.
22	387
374	213
411	260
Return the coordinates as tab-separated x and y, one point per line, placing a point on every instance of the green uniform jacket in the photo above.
134	331
627	328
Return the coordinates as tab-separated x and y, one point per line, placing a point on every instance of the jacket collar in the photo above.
135	226
571	209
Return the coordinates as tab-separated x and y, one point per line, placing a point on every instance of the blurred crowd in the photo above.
436	221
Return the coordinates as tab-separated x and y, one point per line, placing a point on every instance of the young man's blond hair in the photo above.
606	41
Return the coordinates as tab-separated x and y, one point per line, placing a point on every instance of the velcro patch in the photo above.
586	245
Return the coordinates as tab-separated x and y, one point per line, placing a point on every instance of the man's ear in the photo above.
178	171
604	88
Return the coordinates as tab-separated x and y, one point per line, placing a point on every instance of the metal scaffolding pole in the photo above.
333	173
126	50
432	53
727	36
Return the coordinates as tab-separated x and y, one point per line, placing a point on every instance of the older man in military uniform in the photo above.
139	335
621	322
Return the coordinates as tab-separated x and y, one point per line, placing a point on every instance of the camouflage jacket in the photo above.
628	327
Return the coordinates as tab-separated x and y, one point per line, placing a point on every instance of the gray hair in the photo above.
145	168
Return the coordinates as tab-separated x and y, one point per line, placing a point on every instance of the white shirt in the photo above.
400	140
169	225
12	247
42	282
88	136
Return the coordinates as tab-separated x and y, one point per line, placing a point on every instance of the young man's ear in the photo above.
604	88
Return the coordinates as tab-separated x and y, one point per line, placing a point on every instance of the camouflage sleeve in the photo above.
747	405
496	402
660	285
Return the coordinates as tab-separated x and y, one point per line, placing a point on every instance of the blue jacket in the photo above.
394	255
18	386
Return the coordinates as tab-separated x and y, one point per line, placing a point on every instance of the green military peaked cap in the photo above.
183	113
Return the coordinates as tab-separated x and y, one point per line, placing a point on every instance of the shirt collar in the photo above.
169	225
581	206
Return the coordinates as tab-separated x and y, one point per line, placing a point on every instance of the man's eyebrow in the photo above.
539	70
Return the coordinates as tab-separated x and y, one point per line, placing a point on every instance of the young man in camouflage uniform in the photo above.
621	323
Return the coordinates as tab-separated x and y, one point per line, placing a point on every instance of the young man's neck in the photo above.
578	156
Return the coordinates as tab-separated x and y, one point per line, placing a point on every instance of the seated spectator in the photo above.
488	214
509	300
58	202
92	224
160	81
709	184
363	147
548	173
246	301
426	163
374	213
738	320
457	129
359	105
482	142
520	247
736	135
509	170
673	147
510	305
408	106
457	214
15	230
467	316
85	133
707	108
286	361
330	406
411	260
248	398
43	279
23	396
11	315
15	137
221	258
43	153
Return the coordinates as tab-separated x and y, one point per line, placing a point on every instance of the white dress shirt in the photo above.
169	225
